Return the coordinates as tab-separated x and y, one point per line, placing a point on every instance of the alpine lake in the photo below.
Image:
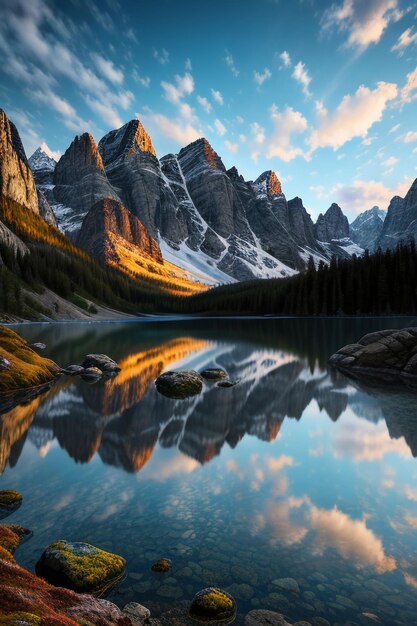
294	490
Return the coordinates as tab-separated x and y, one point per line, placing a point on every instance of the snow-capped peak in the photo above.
42	159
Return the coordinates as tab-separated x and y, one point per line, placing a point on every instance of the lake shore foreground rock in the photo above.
384	356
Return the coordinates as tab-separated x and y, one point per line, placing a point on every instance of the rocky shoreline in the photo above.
83	574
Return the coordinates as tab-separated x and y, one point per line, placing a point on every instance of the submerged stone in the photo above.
10	500
38	346
80	566
137	613
179	385
162	565
227	383
213	373
213	606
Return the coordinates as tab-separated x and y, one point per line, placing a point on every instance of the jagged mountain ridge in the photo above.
206	219
366	229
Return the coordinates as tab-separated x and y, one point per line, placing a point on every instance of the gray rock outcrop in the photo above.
401	221
388	355
332	225
79	182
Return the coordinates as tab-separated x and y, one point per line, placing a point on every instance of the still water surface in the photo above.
295	473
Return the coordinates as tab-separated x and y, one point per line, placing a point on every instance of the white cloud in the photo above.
285	58
258	133
217	96
188	65
261	77
390	162
231	64
242	138
220	128
354	116
24	23
68	113
181	132
239	119
108	70
409	136
407	38
364	21
301	75
394	128
407	92
232	147
162	56
320	108
107	113
145	81
363	194
203	102
286	123
184	87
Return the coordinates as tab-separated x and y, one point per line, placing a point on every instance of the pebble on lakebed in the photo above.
179	385
162	565
213	606
10	500
80	566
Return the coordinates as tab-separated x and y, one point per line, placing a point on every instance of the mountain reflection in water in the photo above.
280	373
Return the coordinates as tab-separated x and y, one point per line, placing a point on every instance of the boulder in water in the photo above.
80	566
179	385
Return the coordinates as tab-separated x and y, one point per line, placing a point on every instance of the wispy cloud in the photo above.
363	22
286	124
231	64
301	75
261	77
353	117
162	56
285	58
204	103
220	127
108	70
407	38
217	96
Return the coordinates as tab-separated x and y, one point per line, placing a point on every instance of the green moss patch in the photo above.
81	566
23	367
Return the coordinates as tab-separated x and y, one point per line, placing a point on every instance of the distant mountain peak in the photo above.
269	183
125	141
82	156
201	150
41	160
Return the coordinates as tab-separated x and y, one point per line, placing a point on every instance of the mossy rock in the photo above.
179	385
6	556
213	606
10	500
81	567
162	565
11	535
27	368
213	373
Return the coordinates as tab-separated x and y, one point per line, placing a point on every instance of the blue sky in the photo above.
323	93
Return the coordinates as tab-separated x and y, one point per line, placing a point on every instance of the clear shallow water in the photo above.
294	473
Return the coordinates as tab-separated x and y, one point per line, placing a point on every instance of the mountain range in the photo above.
184	217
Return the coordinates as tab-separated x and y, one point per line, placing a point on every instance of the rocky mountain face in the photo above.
16	178
401	221
79	182
366	229
332	225
109	217
135	173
